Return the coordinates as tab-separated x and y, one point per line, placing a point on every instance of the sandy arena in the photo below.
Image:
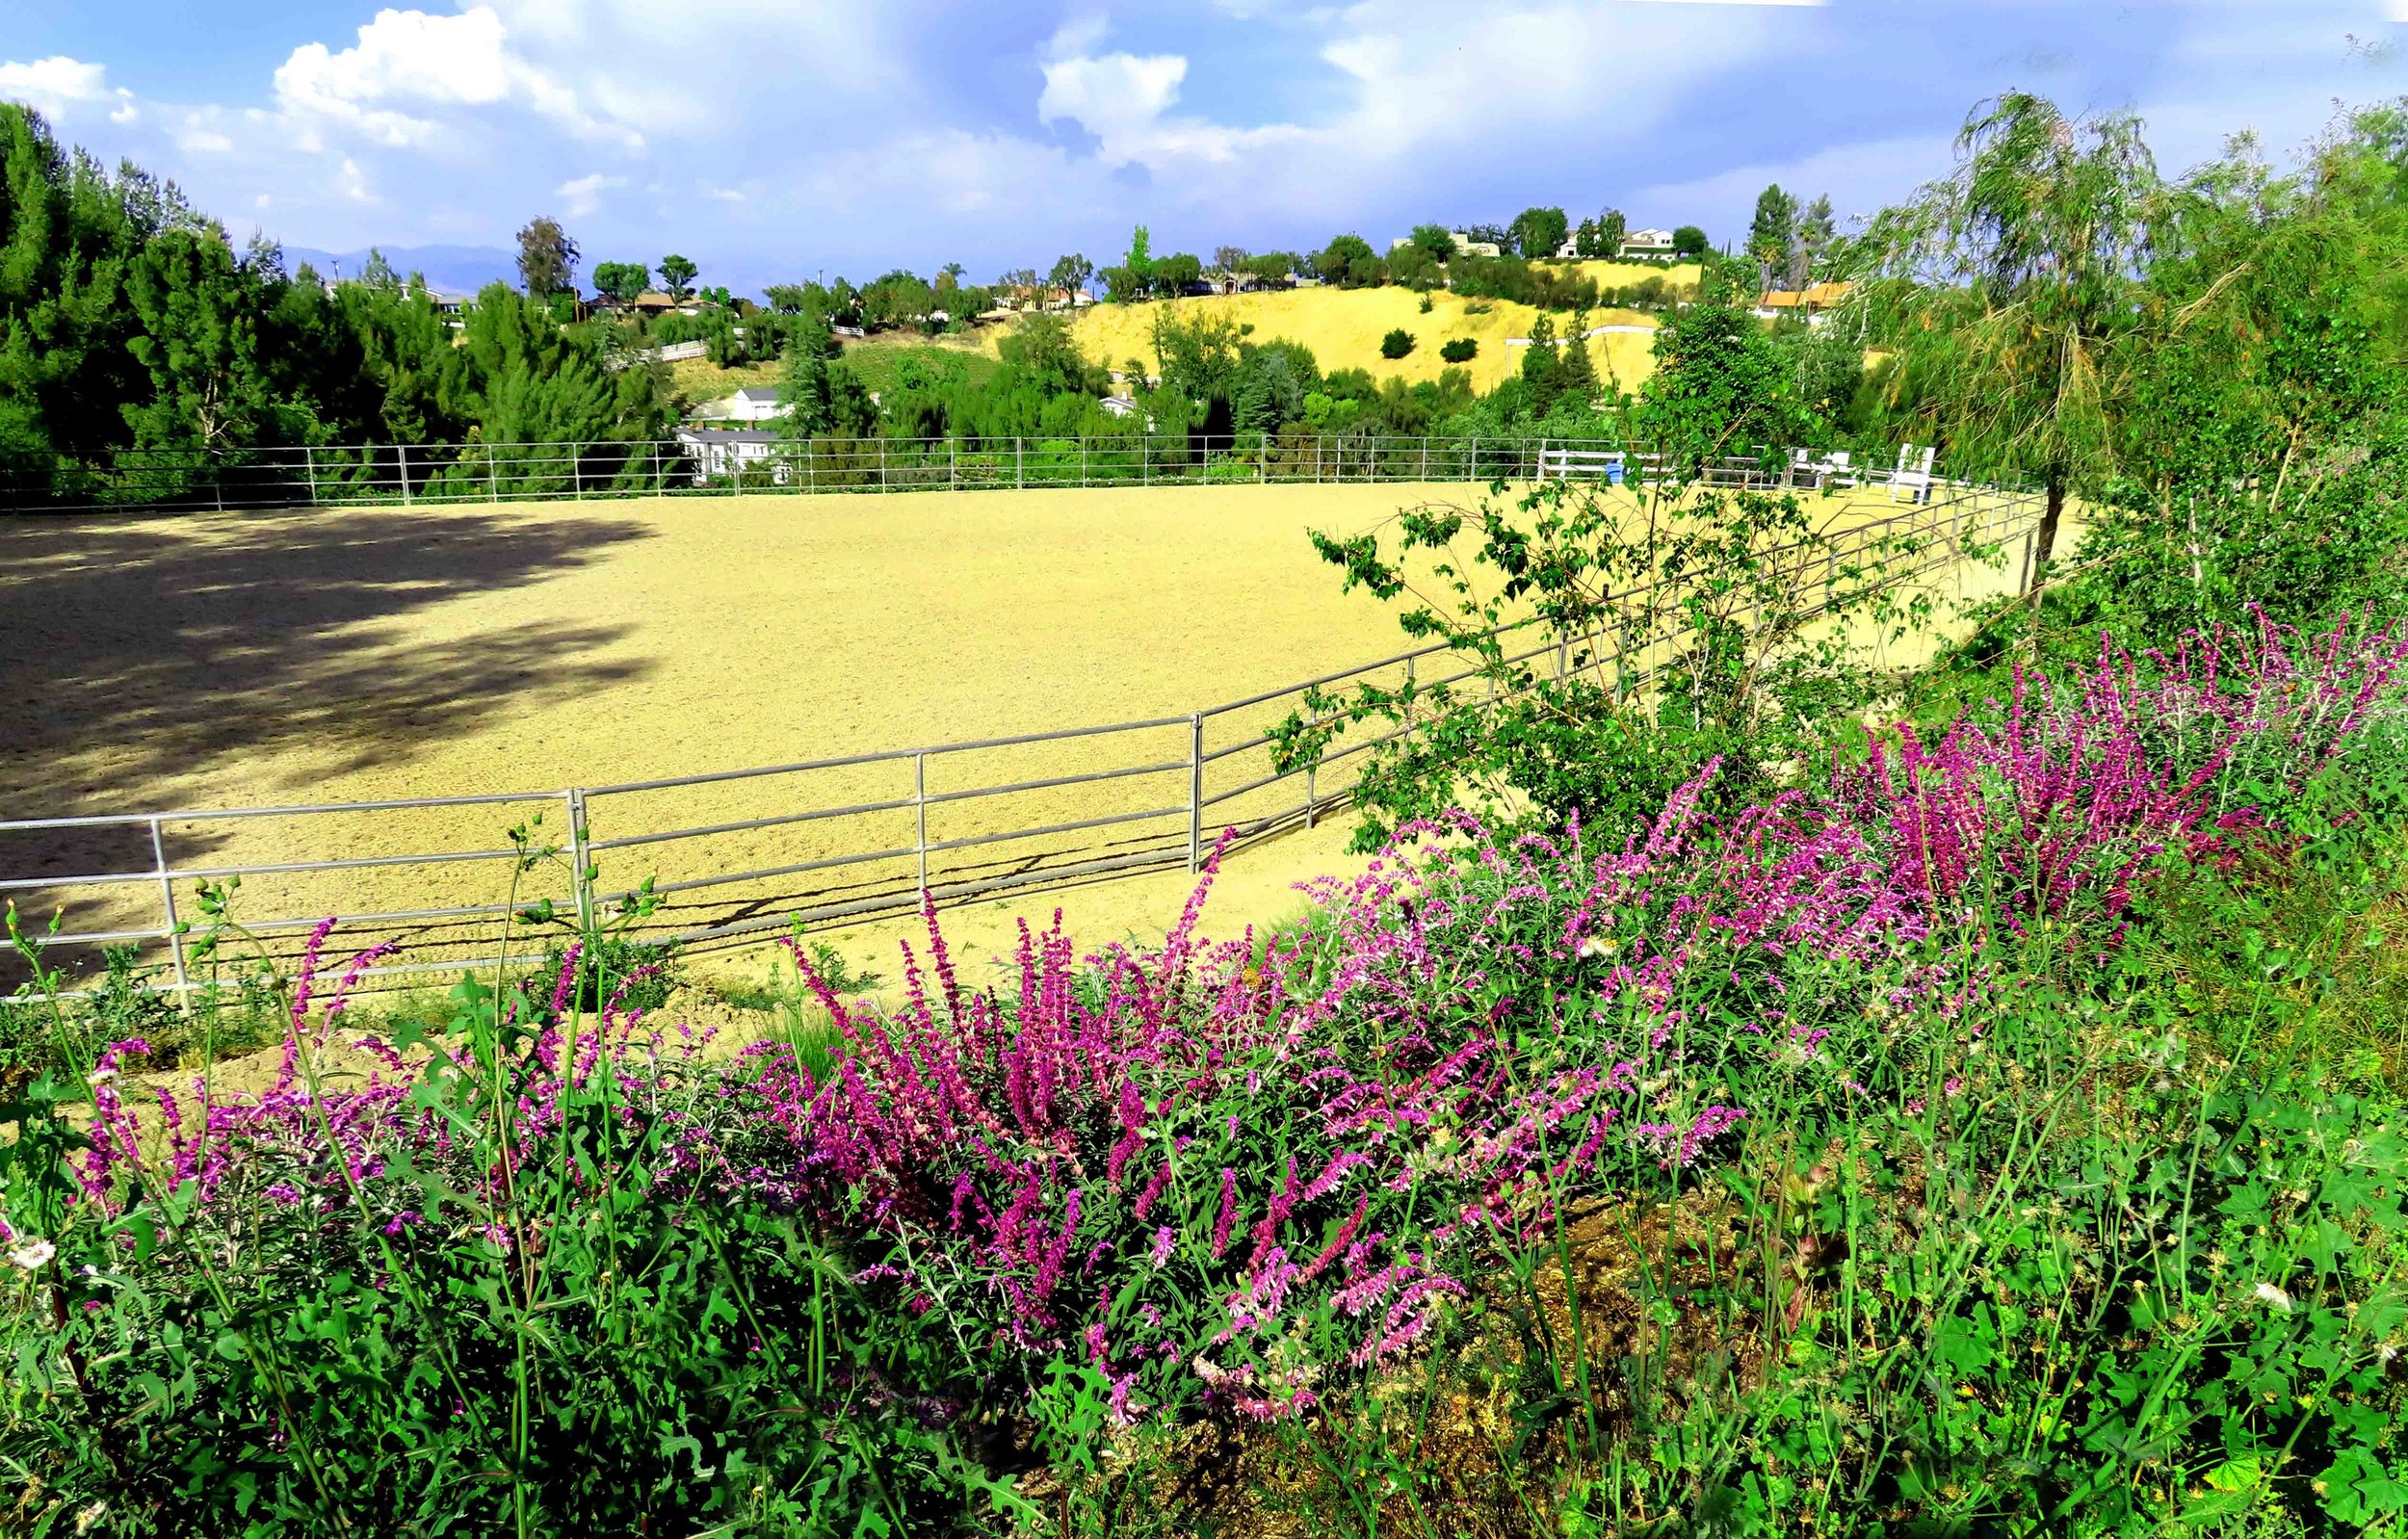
330	657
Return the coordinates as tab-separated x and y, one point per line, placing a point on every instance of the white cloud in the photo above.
411	59
584	193
1416	81
56	86
1119	98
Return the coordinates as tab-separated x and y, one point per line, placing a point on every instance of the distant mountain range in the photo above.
448	268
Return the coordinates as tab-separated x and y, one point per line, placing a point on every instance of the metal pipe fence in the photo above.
740	460
843	836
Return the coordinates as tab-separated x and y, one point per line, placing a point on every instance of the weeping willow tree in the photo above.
2006	291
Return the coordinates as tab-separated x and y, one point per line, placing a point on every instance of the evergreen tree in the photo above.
1575	372
1540	365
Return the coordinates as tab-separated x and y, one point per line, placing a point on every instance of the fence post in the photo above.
1145	454
952	463
1083	461
1262	459
1195	793
1312	793
920	813
309	464
1425	456
492	477
881	466
403	451
175	929
581	859
1476	458
1020	463
1408	702
577	471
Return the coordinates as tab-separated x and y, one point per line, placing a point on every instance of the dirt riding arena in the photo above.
307	658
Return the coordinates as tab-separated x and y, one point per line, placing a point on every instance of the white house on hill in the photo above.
755	403
1647	243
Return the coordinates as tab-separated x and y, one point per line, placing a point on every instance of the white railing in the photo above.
812	841
720	459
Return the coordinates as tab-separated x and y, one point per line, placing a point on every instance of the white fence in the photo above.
720	461
740	854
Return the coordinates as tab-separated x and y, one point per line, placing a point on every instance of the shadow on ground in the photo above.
145	648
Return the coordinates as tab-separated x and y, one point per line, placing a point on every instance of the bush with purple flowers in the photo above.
559	1268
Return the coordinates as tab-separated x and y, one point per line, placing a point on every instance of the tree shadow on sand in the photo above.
145	648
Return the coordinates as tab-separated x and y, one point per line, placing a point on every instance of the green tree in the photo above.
1688	241
1719	387
1435	241
1175	273
2009	287
1575	372
622	282
1350	262
1540	365
1071	273
1610	228
547	257
1817	231
1041	349
1396	343
1774	230
677	275
820	393
198	314
1539	232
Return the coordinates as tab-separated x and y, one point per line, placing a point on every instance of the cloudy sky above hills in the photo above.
780	138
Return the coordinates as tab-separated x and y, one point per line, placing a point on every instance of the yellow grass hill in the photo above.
1344	327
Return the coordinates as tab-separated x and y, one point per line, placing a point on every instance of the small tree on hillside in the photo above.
821	392
1817	230
1772	231
1071	273
1539	365
622	282
1688	241
1575	372
1539	232
547	257
1397	343
1350	262
1435	241
677	275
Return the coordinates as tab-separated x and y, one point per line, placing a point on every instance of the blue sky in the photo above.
769	139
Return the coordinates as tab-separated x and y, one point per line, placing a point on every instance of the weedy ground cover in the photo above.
2000	1134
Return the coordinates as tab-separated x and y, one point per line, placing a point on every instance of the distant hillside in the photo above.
1343	328
448	268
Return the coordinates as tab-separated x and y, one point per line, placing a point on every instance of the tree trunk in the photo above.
2044	542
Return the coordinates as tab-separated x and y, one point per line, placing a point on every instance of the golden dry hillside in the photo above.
1343	327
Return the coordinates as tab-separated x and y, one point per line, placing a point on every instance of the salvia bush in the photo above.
557	1266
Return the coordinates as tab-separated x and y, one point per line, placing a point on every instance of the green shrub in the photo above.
1396	343
1459	349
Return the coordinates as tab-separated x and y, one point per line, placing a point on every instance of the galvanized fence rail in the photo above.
1084	803
742	461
